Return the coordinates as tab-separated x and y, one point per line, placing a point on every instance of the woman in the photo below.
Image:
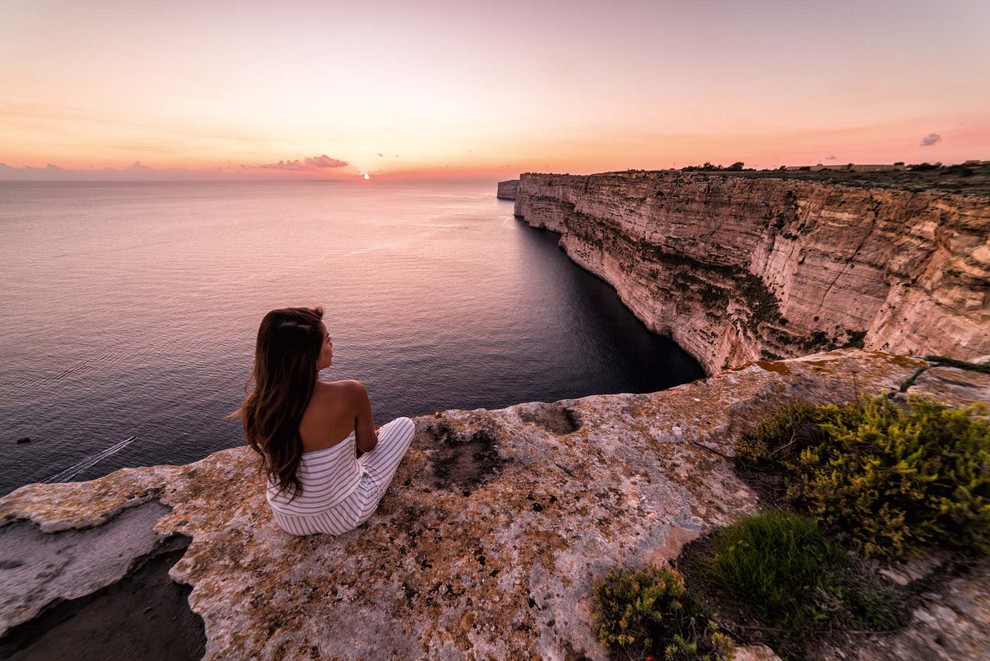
326	467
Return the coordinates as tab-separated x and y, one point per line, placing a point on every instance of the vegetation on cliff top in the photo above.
888	480
877	480
971	178
960	179
649	613
738	166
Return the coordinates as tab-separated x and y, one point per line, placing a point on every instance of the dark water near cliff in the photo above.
130	310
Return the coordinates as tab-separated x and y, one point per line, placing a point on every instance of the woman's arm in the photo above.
364	425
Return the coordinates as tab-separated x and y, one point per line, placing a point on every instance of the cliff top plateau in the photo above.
971	178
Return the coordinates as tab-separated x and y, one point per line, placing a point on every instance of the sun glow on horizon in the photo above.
445	91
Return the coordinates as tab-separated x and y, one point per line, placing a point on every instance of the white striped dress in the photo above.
340	491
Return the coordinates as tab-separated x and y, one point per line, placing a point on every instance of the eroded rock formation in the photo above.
497	524
507	189
738	269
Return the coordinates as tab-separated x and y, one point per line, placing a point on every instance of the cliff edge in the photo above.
738	269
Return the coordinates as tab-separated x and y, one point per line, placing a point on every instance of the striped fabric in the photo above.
340	491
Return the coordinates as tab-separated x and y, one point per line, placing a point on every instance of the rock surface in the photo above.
507	189
494	530
739	269
38	569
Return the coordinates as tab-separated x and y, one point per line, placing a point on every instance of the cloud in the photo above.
830	157
325	161
312	163
136	171
930	139
285	165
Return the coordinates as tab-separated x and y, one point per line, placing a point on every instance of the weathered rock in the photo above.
740	269
497	524
962	608
953	386
952	624
755	653
39	568
507	189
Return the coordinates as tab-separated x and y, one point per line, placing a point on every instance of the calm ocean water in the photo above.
130	310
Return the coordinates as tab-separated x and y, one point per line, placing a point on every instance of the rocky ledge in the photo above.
489	541
738	269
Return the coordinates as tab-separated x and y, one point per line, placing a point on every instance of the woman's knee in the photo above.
400	426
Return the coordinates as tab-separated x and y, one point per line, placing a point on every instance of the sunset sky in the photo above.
335	89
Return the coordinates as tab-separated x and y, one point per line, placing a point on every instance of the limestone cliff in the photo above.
738	269
507	189
490	538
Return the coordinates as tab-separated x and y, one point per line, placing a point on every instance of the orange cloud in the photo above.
311	163
325	161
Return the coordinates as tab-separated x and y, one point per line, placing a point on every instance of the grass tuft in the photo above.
776	560
776	578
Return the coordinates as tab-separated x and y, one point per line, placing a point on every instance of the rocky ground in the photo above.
487	544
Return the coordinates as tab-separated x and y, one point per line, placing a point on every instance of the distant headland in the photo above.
741	265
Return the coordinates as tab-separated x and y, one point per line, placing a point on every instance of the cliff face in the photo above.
489	540
739	269
507	189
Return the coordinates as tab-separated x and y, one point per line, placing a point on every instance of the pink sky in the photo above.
338	89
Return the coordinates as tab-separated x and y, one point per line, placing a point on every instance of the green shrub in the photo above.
887	479
649	612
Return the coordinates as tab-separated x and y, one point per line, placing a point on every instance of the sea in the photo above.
130	311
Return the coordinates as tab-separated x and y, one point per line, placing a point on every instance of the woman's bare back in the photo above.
336	409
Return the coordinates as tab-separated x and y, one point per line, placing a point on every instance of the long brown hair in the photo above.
289	344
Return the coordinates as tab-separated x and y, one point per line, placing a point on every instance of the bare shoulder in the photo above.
334	400
330	416
349	390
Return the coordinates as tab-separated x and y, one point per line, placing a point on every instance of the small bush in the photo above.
889	480
855	339
649	612
769	447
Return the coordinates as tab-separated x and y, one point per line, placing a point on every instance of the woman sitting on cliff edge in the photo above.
326	467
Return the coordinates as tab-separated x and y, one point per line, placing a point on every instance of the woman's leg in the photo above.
381	463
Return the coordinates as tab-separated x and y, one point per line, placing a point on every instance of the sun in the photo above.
365	175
